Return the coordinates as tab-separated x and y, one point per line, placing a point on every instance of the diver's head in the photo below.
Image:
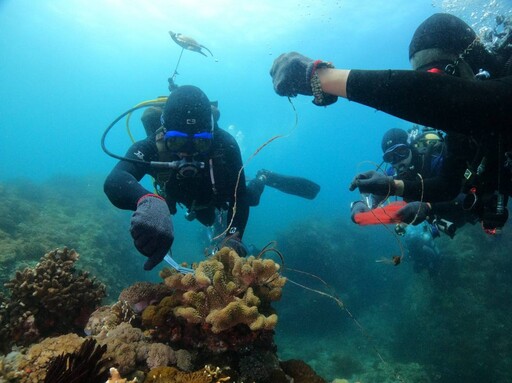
396	149
188	122
427	142
440	41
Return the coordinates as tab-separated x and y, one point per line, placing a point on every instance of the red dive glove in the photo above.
151	229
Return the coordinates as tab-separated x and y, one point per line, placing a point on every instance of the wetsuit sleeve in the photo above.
448	183
440	101
122	185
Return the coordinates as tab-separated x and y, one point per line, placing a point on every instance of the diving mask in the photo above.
396	154
177	141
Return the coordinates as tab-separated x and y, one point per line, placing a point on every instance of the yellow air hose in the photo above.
158	100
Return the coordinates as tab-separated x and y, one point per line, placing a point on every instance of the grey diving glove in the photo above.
357	207
151	229
293	74
373	182
414	212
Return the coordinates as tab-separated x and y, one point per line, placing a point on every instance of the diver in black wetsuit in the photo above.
294	185
205	176
443	51
419	156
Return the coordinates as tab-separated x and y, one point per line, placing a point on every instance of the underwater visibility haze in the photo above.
70	68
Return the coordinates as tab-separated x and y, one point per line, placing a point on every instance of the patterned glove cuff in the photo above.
320	97
149	195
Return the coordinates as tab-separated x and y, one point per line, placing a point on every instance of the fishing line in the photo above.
256	152
396	259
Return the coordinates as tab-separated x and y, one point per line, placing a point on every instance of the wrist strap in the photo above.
149	195
316	86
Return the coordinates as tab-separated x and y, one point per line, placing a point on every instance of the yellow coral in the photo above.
190	314
115	377
227	290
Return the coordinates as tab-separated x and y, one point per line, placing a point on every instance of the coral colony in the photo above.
213	325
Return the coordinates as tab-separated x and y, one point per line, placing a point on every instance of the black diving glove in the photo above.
414	212
151	229
293	74
357	207
373	182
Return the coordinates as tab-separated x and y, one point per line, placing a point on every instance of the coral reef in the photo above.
34	363
223	305
208	374
142	294
66	211
51	293
85	365
129	349
106	318
115	377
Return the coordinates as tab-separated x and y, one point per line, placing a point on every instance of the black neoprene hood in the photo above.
188	110
393	137
442	31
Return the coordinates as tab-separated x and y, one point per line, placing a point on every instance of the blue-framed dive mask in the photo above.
396	154
177	141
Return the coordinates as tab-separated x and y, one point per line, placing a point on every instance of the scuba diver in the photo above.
422	250
293	185
461	87
416	153
419	160
195	164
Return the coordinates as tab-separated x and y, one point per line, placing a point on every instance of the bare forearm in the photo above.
334	81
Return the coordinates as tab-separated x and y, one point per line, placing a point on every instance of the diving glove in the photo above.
373	182
151	229
357	207
414	212
293	74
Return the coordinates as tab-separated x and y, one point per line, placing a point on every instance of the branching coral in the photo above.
228	290
50	299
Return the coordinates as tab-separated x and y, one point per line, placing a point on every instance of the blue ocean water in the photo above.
70	67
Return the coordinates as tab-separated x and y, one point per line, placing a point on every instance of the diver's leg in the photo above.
298	186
